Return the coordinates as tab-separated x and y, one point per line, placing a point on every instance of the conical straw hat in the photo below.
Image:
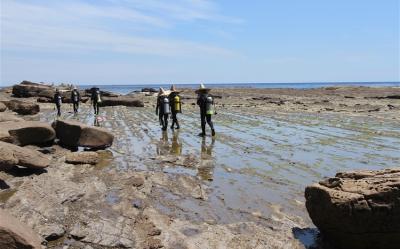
173	88
202	89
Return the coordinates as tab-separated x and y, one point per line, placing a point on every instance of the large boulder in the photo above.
3	107
122	100
26	132
22	107
358	210
15	235
29	89
22	157
75	134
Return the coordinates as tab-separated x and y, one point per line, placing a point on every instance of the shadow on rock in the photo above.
310	238
21	172
4	185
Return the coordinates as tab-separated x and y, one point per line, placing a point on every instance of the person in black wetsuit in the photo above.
163	108
96	99
176	106
206	103
58	100
75	98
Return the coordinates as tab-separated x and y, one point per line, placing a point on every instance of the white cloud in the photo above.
76	26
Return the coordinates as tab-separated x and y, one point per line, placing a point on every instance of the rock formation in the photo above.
358	210
15	235
26	132
22	107
75	134
86	157
13	155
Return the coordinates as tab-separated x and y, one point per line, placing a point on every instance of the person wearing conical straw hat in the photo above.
163	108
206	103
176	106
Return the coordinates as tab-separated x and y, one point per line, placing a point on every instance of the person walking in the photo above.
58	101
96	99
75	98
163	108
176	106
206	103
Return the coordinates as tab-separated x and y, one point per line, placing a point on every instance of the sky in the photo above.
192	41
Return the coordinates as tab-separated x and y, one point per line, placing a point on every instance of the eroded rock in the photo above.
358	209
15	235
3	107
23	157
26	132
75	134
22	107
86	157
122	100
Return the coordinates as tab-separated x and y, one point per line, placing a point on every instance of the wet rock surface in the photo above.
359	209
241	189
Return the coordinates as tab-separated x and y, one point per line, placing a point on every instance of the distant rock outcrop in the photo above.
14	234
75	134
30	89
122	100
358	210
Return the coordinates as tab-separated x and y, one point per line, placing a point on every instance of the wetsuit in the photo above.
202	103
162	115
58	100
95	99
173	111
75	98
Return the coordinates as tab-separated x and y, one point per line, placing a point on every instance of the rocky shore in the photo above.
126	184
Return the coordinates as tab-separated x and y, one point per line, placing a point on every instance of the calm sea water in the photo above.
124	89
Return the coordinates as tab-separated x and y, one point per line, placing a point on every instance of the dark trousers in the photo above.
96	107
58	110
206	117
164	121
76	106
174	120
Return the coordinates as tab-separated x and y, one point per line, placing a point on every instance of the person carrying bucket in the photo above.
206	103
163	108
176	106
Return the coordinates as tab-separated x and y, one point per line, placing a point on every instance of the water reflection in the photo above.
206	168
163	147
176	145
96	122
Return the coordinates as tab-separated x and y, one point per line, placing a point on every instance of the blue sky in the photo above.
191	41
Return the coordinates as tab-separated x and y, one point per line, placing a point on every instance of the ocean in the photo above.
125	89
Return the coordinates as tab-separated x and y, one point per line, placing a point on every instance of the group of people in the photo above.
76	99
169	103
